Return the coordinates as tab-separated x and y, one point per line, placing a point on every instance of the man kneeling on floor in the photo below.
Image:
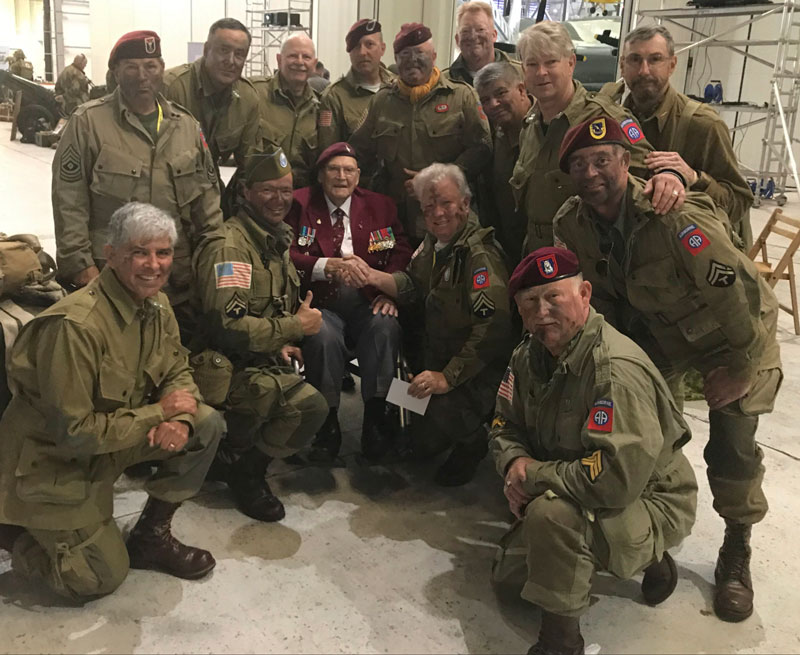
100	382
588	439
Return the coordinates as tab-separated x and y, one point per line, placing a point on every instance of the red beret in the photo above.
599	131
336	150
360	28
141	44
543	266
411	34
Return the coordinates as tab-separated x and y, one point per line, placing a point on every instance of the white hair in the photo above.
140	222
298	37
437	172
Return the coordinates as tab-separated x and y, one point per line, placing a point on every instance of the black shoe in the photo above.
660	580
8	535
377	432
247	482
328	441
462	463
348	383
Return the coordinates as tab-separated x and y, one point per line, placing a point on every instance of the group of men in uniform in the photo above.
627	271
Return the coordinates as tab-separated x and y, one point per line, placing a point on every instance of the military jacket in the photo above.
603	428
249	290
343	107
464	288
704	143
683	292
540	186
457	71
229	118
290	125
87	374
447	125
106	159
74	86
22	67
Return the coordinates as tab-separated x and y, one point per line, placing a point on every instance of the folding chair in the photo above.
784	268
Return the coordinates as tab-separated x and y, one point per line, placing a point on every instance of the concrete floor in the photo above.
379	559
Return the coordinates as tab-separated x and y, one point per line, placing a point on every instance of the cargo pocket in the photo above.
116	174
43	478
212	374
629	536
115	386
188	177
446	138
386	136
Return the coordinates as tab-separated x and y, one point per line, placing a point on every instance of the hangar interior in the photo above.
377	558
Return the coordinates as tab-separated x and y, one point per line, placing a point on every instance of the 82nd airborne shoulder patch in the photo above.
601	416
693	239
632	131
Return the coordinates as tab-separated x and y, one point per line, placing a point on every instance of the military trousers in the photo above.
273	409
92	561
733	458
459	415
350	328
553	552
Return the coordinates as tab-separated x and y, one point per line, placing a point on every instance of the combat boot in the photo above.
152	546
376	431
462	462
247	480
733	598
558	635
8	535
660	580
328	441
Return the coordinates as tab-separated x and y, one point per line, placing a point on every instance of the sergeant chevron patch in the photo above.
70	165
720	275
593	465
483	307
236	307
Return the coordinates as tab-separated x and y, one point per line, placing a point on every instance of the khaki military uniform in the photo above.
106	158
229	118
464	288
611	487
540	186
87	374
22	68
447	126
73	85
343	107
249	312
289	124
698	134
457	71
689	298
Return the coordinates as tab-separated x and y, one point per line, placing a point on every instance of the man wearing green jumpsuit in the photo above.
72	86
101	382
588	440
548	62
458	276
249	290
678	286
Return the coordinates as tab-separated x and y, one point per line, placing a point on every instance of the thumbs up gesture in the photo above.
311	319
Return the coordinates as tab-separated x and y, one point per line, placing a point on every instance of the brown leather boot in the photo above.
152	546
558	635
660	580
733	599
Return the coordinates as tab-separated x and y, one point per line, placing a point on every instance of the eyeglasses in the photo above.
653	61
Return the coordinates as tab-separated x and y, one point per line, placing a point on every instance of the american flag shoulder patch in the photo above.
233	274
506	389
325	118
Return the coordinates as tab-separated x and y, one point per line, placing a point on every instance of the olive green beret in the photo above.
265	166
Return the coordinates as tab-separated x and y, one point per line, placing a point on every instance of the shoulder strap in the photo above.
685	120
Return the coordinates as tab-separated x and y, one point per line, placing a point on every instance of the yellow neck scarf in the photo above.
416	93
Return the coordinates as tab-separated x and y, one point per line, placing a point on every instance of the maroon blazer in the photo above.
369	212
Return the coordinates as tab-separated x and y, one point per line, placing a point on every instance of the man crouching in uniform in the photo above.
249	290
588	439
101	382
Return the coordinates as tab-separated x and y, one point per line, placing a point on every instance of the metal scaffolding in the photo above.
271	22
779	111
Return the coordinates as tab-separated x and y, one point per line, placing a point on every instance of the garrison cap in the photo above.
340	149
141	44
543	266
360	29
411	34
265	166
600	131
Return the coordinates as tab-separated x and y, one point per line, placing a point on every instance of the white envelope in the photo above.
398	395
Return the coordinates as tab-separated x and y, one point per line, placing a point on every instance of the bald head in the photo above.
296	61
80	61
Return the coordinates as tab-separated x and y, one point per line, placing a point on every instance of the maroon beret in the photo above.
411	34
336	150
141	44
360	28
597	132
543	266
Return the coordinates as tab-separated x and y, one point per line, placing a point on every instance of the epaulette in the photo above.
86	106
76	307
